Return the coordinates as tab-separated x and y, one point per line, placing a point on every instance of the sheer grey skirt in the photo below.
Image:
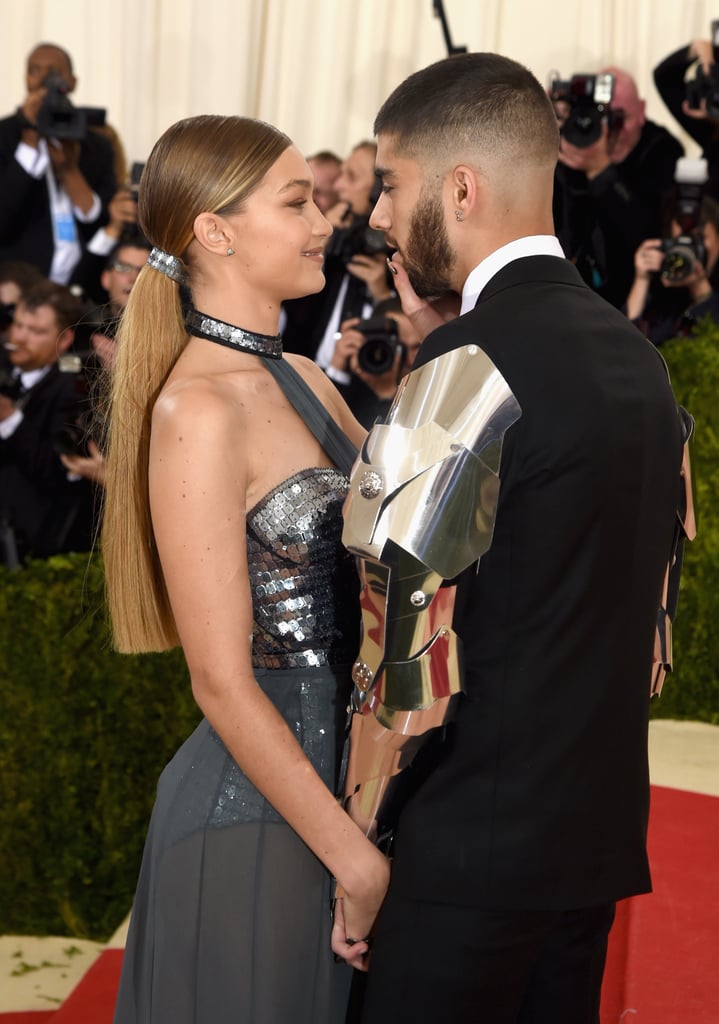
231	921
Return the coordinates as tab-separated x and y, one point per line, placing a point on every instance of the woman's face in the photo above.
279	237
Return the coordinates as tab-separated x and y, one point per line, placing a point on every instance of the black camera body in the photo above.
358	239
681	254
381	344
582	104
10	385
58	118
705	86
72	438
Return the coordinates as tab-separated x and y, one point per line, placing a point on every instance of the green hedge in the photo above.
691	691
84	732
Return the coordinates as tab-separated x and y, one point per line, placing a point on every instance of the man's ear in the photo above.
466	189
212	232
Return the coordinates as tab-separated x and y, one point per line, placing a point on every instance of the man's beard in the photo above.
428	256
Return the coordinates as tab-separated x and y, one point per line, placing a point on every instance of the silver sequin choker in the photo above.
204	326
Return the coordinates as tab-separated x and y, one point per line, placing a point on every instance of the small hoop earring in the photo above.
458	215
230	251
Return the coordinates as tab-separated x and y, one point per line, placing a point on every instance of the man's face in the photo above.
41	61
36	339
625	98
118	279
355	180
325	174
411	214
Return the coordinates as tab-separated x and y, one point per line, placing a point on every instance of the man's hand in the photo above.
373	271
7	407
64	155
123	211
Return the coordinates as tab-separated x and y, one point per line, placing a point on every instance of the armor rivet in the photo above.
455	447
472	350
361	674
418	598
371	484
444	633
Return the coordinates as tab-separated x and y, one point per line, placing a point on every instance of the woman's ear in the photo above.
212	232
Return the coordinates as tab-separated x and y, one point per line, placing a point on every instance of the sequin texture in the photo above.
304	585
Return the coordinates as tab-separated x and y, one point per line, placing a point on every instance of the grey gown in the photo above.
231	921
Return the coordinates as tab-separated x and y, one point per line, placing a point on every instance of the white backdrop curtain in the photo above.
319	69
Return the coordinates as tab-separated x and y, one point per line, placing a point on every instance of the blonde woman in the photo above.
222	533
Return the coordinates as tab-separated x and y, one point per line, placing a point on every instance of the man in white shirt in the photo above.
53	193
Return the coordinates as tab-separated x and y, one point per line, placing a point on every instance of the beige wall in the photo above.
318	68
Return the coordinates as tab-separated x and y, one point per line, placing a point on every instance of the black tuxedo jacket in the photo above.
49	513
539	798
25	221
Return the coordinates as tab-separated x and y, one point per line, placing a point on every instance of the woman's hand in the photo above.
356	912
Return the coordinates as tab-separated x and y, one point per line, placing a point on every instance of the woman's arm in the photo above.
199	475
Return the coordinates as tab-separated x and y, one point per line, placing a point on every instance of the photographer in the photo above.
672	289
356	276
609	195
370	358
53	192
695	103
47	510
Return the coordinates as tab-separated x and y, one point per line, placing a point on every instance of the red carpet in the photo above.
29	1017
662	961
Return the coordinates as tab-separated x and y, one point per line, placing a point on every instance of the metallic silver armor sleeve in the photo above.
421	508
685	529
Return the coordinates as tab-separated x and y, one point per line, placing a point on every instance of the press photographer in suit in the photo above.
48	510
510	855
53	191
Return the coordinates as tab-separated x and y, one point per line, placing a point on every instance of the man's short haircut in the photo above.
22	274
68	309
326	156
471	104
54	46
132	239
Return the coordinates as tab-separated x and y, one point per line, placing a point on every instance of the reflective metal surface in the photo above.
421	508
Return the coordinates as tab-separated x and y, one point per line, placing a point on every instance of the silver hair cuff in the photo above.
169	265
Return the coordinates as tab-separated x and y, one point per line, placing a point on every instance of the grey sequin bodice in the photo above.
304	584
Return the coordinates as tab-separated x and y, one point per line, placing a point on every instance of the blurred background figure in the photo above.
47	510
325	166
57	174
614	173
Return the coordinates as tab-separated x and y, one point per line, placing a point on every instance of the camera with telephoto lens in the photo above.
7	312
358	238
705	86
381	344
681	254
582	105
58	118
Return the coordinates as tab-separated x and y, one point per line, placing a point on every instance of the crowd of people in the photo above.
255	313
68	214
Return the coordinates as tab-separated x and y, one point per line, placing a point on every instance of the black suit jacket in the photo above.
49	513
25	221
540	796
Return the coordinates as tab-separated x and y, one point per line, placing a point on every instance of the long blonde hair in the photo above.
207	163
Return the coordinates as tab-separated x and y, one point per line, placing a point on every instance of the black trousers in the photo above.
437	964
